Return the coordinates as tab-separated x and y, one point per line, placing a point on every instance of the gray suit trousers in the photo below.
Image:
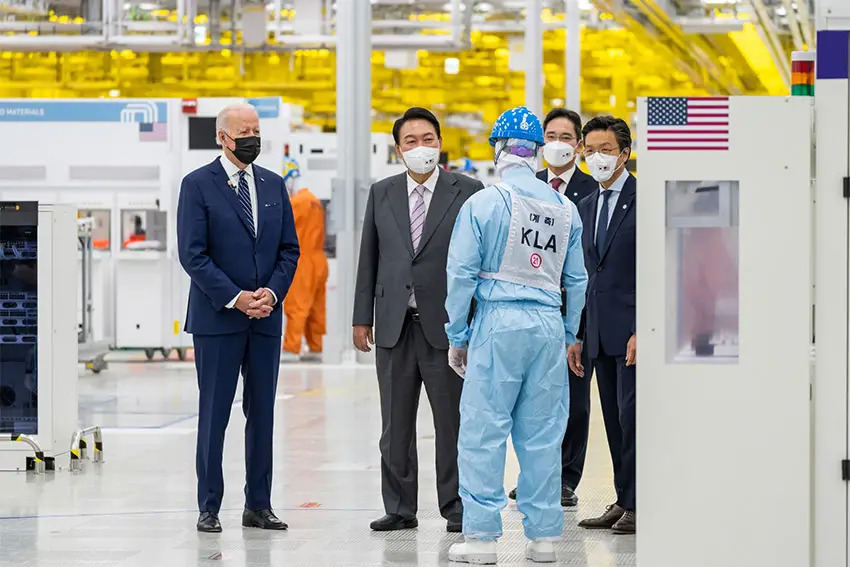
401	371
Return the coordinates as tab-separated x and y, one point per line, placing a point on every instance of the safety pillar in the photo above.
351	185
534	56
573	56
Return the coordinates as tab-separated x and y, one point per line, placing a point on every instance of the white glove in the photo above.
457	360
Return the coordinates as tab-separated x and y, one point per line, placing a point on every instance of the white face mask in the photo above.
558	154
602	166
421	159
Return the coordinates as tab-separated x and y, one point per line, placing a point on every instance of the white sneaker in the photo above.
474	551
289	357
540	551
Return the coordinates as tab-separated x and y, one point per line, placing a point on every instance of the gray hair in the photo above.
221	121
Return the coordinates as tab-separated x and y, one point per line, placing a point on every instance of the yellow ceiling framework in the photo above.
618	65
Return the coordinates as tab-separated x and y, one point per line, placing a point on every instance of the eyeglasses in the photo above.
566	138
586	153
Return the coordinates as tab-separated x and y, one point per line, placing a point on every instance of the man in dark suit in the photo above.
562	133
401	291
237	241
608	323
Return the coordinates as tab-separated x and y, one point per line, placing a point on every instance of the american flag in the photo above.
687	124
153	132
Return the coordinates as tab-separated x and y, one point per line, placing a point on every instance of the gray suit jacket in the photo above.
388	267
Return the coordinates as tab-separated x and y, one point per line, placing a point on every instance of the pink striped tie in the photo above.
417	217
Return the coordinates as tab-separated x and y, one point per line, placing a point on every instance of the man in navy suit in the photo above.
562	133
237	241
608	322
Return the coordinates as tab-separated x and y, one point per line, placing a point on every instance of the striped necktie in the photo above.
417	217
245	200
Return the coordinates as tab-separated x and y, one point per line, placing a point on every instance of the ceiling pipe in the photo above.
453	42
793	24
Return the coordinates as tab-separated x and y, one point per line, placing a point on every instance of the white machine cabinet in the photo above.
38	328
724	295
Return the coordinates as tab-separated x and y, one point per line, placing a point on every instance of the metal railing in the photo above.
79	447
39	467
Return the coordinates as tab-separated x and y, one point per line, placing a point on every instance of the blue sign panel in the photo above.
833	54
128	111
267	107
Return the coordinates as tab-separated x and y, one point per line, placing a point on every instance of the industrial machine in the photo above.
38	338
90	351
724	326
317	157
195	145
120	162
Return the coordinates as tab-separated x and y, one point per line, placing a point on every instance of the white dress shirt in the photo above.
615	189
566	177
233	176
430	186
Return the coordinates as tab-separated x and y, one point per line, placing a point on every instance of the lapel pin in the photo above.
625	207
229	183
261	179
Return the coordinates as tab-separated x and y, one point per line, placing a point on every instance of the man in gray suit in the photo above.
401	291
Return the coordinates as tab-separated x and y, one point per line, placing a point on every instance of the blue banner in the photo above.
128	111
267	107
833	54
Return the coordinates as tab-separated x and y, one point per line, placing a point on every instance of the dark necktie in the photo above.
602	224
556	183
245	200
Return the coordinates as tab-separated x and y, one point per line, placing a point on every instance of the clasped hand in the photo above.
256	304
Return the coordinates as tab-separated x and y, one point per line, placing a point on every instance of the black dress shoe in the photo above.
512	494
263	519
394	522
606	521
627	525
208	523
454	525
568	497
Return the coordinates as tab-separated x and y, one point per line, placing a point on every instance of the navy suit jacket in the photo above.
609	314
221	255
580	186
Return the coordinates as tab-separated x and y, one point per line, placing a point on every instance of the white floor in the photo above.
138	508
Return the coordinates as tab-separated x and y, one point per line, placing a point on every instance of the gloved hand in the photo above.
457	360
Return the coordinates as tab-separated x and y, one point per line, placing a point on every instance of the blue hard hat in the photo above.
518	123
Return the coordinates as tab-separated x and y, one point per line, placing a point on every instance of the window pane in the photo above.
18	317
702	259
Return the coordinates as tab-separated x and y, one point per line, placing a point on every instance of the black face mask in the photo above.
247	149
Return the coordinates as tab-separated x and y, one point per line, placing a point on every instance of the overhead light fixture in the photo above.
452	65
114	93
484	7
558	102
585	5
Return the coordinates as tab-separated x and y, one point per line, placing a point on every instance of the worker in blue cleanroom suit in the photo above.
514	247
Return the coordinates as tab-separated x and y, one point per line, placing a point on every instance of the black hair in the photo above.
570	115
618	126
415	113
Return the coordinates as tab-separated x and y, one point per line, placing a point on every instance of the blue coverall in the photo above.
516	375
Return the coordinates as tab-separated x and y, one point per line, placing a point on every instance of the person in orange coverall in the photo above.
304	305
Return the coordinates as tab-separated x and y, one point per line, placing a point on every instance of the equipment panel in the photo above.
18	317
